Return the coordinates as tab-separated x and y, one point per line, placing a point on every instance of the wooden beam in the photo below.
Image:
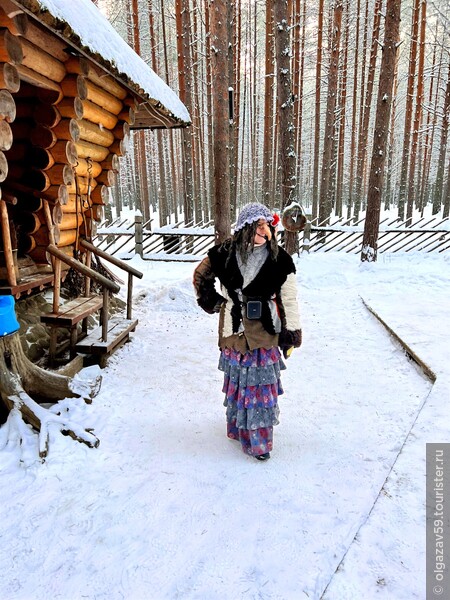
90	150
82	185
42	38
61	173
16	21
67	129
9	77
85	167
65	152
82	66
46	114
7	247
40	81
91	132
3	167
74	86
100	195
6	137
7	106
43	137
95	113
71	108
37	59
103	99
10	48
70	221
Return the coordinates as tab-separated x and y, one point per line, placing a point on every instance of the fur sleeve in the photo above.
204	279
291	332
288	294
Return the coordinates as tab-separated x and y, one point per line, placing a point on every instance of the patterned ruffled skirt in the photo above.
251	386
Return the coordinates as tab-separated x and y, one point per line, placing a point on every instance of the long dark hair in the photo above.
243	242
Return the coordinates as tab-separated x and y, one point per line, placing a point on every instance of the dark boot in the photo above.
265	456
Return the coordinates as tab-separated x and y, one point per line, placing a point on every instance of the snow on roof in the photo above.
97	36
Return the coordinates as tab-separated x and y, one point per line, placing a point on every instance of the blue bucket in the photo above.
8	320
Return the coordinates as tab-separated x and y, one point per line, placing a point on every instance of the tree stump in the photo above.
21	380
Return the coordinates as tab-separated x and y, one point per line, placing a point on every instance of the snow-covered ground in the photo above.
167	507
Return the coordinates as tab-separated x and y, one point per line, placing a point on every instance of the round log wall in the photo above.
63	124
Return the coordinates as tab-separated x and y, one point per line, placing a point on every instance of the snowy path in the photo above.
168	508
385	567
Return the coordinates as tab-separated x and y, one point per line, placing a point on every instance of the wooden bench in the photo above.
68	316
118	333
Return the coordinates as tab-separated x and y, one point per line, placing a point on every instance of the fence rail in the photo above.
191	242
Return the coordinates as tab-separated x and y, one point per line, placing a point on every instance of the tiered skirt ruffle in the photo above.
251	386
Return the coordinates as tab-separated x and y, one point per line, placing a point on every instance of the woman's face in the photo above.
263	233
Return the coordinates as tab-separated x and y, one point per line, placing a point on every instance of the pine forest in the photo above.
342	106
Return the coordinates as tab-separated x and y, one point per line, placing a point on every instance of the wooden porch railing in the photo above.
79	309
132	272
106	284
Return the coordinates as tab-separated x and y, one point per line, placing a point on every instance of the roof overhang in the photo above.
158	106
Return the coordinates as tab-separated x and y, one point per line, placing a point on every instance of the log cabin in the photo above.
71	90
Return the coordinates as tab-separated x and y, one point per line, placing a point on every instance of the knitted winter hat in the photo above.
253	212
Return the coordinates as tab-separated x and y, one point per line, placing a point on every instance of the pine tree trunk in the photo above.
268	155
186	97
439	182
317	116
382	119
446	202
196	125
388	201
325	203
219	71
362	147
354	113
342	115
417	117
287	160
299	111
408	111
208	120
430	126
234	61
361	133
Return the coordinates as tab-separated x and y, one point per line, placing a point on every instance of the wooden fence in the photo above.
190	242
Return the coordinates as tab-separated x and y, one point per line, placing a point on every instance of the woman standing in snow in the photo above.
258	315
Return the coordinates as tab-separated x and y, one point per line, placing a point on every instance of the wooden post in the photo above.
51	239
87	290
87	280
57	284
129	295
105	310
307	236
7	247
138	235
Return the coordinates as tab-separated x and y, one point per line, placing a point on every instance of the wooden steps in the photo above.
112	333
68	316
119	329
73	312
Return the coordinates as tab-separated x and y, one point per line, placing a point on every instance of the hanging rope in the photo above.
97	264
74	283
